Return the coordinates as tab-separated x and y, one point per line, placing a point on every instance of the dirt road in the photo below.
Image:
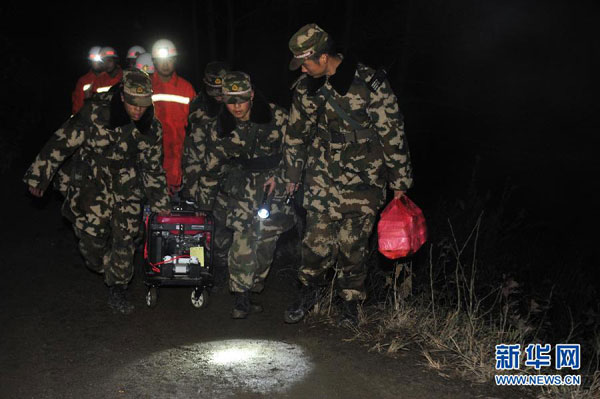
60	340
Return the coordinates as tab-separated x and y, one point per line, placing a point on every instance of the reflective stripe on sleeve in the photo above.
103	89
170	98
87	86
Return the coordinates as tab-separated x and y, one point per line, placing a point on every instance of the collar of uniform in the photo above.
341	80
206	104
260	114
212	106
145	123
157	81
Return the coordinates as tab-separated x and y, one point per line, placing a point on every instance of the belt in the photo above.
260	164
351	137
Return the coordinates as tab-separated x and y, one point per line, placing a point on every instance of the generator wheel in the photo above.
199	298
152	297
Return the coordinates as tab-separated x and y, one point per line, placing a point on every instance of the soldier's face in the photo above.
315	69
241	111
135	112
164	66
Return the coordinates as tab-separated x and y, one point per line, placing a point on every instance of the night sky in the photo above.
505	88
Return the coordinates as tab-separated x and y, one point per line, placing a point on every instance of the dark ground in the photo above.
60	340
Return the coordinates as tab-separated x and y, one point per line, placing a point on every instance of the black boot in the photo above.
255	307
307	299
241	306
349	316
117	299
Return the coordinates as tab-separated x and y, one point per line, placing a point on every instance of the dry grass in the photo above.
455	323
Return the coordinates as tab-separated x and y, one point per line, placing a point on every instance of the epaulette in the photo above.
375	81
297	81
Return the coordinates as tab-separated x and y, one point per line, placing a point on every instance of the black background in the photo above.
495	93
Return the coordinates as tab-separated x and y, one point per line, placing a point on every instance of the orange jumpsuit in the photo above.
104	81
84	84
171	107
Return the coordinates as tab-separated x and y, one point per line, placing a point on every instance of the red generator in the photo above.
178	252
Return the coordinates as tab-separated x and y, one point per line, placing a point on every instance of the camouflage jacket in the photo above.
242	156
115	161
346	165
198	185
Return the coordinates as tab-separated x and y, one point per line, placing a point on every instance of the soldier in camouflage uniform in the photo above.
203	110
347	137
245	153
197	184
116	142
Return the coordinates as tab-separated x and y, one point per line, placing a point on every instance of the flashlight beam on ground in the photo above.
218	368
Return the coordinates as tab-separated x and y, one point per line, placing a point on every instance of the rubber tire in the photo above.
152	297
199	301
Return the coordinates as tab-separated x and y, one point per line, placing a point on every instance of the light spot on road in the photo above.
216	369
232	355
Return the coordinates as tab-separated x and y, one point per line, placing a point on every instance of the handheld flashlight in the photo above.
264	211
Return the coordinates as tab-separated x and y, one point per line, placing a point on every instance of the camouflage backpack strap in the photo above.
340	111
358	130
254	136
319	113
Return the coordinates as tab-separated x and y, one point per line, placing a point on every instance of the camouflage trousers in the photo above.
250	259
342	244
112	254
221	244
223	237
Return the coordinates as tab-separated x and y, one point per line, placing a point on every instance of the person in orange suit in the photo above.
112	73
172	97
84	83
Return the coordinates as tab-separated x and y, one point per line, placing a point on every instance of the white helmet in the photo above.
94	54
108	52
144	62
134	51
163	48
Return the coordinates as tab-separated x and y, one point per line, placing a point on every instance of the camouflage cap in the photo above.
236	88
213	77
310	39
137	87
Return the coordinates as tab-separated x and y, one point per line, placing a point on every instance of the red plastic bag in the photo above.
401	229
